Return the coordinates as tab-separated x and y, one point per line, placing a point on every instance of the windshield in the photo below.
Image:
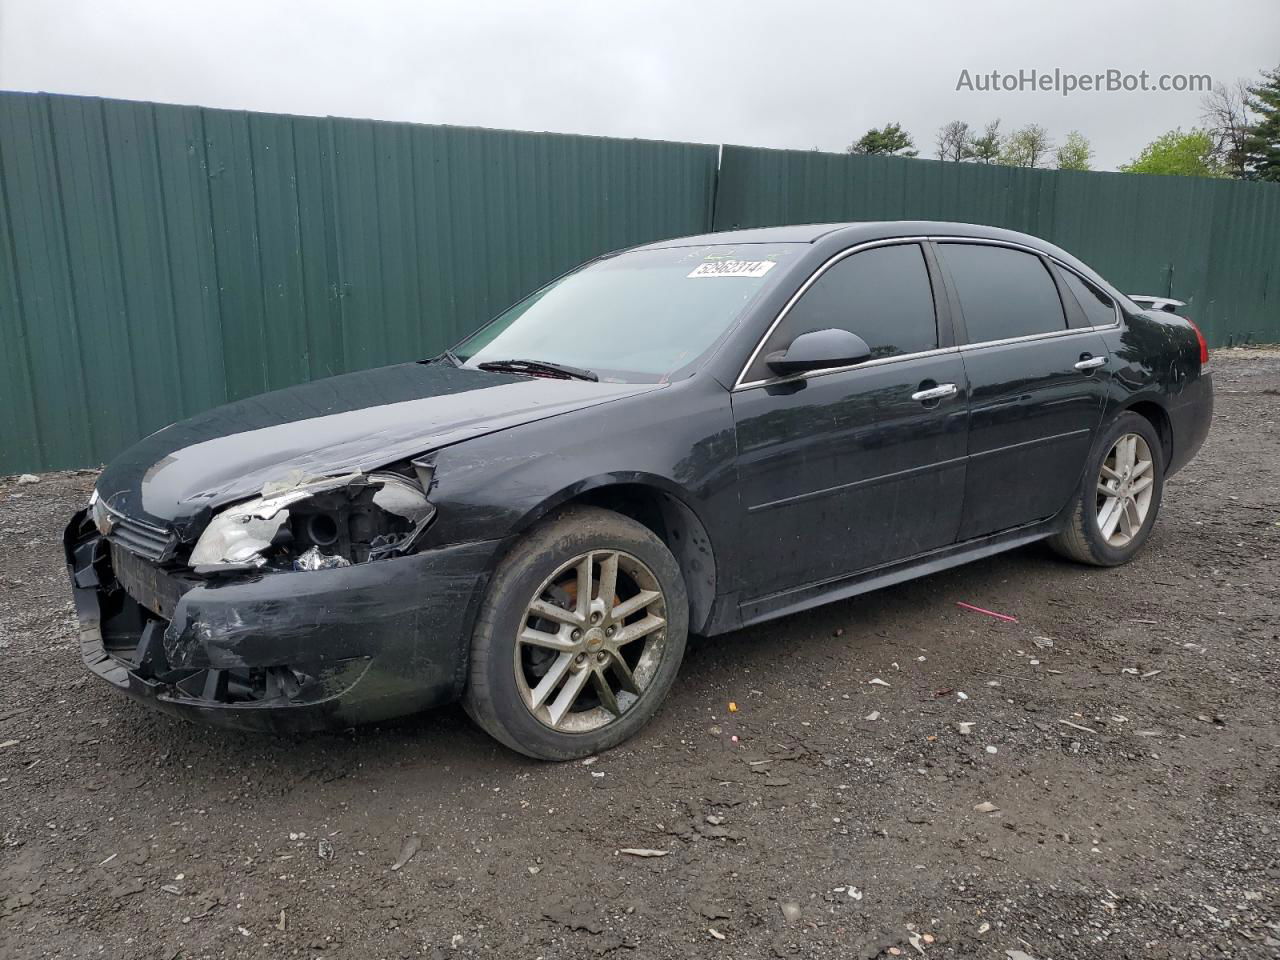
639	316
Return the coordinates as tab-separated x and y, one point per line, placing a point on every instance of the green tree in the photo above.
1261	145
1075	152
891	141
986	148
1027	146
1177	154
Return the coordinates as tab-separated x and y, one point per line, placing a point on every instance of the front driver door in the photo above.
843	470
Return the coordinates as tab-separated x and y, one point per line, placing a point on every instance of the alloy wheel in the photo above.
591	641
1125	486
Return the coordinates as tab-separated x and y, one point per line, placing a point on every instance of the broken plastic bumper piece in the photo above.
281	651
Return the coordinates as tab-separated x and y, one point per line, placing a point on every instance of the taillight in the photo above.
1204	344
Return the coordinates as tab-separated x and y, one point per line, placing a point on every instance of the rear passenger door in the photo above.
1037	384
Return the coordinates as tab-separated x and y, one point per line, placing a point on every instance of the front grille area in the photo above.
151	587
151	543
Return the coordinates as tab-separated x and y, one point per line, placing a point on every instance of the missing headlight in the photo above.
317	524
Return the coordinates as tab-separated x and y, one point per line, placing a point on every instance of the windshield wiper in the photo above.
544	367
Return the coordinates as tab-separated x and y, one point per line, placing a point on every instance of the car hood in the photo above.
357	421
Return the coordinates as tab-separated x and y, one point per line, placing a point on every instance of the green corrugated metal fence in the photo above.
1212	243
158	260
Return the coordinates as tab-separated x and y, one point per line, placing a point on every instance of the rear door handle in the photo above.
1090	363
935	393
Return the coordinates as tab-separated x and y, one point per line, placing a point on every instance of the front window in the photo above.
637	317
882	294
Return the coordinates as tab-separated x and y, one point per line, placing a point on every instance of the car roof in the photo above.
793	233
854	232
836	236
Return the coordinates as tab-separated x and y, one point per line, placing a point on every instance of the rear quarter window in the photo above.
1099	309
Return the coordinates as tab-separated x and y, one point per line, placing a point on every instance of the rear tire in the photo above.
557	674
1116	505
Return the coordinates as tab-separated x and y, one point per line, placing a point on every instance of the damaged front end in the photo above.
320	523
310	606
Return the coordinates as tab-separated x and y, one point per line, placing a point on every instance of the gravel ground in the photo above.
1099	779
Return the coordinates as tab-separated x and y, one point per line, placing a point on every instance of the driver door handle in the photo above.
935	393
1090	363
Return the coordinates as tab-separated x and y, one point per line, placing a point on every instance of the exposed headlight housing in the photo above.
315	524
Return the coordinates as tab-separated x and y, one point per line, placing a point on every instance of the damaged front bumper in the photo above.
281	651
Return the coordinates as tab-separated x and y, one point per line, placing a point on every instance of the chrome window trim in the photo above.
1051	335
741	384
827	371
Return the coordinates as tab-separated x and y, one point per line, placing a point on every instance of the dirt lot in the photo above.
1124	732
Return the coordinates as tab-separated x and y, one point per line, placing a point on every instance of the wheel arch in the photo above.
660	506
1159	419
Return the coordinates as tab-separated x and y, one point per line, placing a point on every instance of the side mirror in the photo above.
819	350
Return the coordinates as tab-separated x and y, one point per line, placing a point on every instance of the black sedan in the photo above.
688	436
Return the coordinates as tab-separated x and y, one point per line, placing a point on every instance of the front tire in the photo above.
1118	500
580	636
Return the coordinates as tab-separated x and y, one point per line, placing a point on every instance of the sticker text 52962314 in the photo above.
733	268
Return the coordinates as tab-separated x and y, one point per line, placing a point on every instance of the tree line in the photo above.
1239	138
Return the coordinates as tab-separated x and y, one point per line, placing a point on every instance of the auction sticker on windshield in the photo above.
733	268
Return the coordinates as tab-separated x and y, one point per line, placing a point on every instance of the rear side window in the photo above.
1003	293
882	294
1099	308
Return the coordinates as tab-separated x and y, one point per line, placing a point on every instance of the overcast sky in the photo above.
778	74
